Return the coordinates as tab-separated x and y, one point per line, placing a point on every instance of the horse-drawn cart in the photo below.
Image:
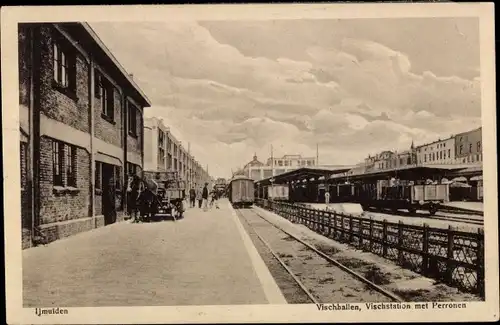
170	194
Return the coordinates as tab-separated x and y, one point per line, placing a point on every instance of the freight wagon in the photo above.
278	192
241	192
410	197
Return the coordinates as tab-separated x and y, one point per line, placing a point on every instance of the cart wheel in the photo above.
433	210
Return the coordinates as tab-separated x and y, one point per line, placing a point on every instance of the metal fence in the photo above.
447	255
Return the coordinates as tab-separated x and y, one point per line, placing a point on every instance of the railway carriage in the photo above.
278	192
241	191
382	195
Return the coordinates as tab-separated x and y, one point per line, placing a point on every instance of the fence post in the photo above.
385	240
351	230
400	243
371	234
360	233
450	255
329	227
480	263
334	224
342	225
425	250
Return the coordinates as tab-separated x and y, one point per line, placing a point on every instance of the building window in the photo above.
57	163
478	146
425	158
70	165
60	66
461	149
64	164
470	147
64	65
105	92
132	119
449	153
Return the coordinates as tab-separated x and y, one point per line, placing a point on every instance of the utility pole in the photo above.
317	154
272	161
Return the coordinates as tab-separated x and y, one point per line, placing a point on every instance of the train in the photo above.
383	195
241	192
278	192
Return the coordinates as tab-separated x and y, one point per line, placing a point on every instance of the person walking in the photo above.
215	197
192	197
204	196
199	197
327	200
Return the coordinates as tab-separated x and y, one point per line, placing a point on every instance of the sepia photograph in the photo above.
250	163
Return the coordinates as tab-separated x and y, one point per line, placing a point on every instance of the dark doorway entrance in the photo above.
108	193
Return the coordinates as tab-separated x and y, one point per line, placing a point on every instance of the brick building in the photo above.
469	147
162	151
81	119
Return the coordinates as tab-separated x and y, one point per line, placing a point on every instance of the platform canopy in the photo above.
303	174
409	172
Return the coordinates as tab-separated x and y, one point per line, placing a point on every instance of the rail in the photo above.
448	255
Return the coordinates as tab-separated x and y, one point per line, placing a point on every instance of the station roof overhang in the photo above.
303	174
411	172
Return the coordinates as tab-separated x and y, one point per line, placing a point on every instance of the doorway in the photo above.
108	193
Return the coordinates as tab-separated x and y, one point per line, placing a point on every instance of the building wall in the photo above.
25	79
149	161
109	131
64	116
468	146
134	143
62	203
70	109
437	153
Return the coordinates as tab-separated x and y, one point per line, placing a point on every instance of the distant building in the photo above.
295	161
439	152
469	147
387	160
163	152
256	170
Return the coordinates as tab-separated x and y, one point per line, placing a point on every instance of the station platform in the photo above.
473	206
206	258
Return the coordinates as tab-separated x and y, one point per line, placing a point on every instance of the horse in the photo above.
142	197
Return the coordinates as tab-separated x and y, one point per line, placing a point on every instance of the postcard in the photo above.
276	163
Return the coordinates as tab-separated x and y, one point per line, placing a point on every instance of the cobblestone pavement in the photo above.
199	260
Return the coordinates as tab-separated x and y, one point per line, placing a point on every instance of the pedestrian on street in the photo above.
327	199
215	197
192	197
199	197
205	197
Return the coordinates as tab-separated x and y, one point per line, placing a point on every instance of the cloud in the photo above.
235	94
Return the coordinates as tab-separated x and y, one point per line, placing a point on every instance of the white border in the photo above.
10	16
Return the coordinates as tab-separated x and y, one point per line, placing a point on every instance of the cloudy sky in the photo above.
354	87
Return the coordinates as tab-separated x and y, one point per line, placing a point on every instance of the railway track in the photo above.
454	210
468	220
451	216
320	277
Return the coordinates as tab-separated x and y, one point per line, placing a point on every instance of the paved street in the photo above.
200	260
